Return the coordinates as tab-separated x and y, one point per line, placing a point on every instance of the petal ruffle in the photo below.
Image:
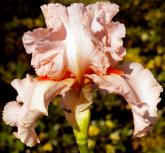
32	102
80	44
114	43
109	33
47	49
140	90
102	13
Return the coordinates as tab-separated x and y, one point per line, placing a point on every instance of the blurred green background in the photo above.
112	123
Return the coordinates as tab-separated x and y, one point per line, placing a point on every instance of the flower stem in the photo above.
81	134
83	148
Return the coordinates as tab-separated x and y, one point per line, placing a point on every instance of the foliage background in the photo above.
112	123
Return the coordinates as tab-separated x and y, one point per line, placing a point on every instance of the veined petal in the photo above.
47	49
80	44
109	33
102	13
80	47
140	89
79	39
47	90
114	43
53	14
32	102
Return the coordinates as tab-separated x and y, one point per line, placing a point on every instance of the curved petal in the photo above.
53	14
102	13
47	49
80	44
77	40
32	102
140	89
109	33
115	33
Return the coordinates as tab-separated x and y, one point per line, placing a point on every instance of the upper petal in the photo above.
102	13
47	49
109	33
141	91
77	40
35	95
54	13
80	44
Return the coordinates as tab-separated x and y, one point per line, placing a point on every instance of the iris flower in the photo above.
78	52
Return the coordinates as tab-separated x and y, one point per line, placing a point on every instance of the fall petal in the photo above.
47	90
11	112
32	102
140	89
148	89
26	132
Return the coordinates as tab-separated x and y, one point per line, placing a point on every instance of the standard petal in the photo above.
102	13
80	44
140	89
113	45
47	49
33	98
109	33
54	14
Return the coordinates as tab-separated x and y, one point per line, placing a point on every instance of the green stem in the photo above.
80	124
81	134
83	148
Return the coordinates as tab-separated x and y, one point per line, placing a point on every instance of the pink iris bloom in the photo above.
79	49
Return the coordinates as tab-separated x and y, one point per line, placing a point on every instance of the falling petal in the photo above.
33	98
139	88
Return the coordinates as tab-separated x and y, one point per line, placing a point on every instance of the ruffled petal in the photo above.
47	90
102	13
80	44
32	102
54	15
114	43
79	39
109	33
47	49
140	89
